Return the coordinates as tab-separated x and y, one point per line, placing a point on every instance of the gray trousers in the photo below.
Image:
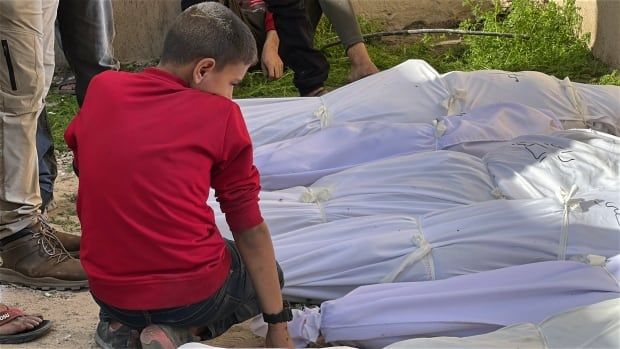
86	29
341	15
26	70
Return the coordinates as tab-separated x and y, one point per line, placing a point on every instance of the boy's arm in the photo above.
256	250
235	178
236	184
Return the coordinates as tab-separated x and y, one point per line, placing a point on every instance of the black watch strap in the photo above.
285	315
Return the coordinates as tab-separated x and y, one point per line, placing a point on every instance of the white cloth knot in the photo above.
419	253
596	260
576	101
570	204
315	195
440	129
451	103
323	115
497	193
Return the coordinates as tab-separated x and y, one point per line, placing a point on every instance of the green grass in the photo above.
555	47
60	110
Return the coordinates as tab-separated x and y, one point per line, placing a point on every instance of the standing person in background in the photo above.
255	15
339	12
33	254
293	41
341	15
86	30
310	66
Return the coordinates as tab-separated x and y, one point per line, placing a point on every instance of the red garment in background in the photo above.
148	148
259	5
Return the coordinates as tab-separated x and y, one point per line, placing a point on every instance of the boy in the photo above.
155	260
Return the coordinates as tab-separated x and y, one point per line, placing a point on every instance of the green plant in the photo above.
555	45
612	78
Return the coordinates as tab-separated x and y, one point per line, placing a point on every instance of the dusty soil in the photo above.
75	314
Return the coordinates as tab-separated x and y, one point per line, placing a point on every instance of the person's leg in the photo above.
86	29
23	85
45	145
315	12
234	303
340	13
87	32
32	255
240	300
296	48
118	328
48	168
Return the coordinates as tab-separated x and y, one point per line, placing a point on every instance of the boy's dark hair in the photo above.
209	30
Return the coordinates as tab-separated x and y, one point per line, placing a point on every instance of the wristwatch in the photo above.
285	315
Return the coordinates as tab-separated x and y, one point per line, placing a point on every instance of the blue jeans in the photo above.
233	303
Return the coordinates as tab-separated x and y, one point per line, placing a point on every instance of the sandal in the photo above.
67	85
11	314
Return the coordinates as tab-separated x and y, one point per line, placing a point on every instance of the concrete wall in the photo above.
141	24
400	14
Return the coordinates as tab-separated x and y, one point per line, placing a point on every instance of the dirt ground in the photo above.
74	314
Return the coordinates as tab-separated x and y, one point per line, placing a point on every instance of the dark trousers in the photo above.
296	43
233	303
310	65
86	30
48	169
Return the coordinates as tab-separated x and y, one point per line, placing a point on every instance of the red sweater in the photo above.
148	148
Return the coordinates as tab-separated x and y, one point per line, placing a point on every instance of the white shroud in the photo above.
601	105
410	184
378	315
303	160
576	105
409	92
539	166
585	327
329	260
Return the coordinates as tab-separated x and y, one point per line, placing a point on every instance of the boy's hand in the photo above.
278	336
271	63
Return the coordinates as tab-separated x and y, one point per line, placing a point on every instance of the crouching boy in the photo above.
148	147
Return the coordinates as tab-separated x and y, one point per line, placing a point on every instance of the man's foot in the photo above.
67	85
165	337
17	327
361	71
361	64
38	259
112	335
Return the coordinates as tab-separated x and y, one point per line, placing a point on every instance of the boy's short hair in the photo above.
209	30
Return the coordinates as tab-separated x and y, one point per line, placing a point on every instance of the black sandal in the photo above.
11	314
